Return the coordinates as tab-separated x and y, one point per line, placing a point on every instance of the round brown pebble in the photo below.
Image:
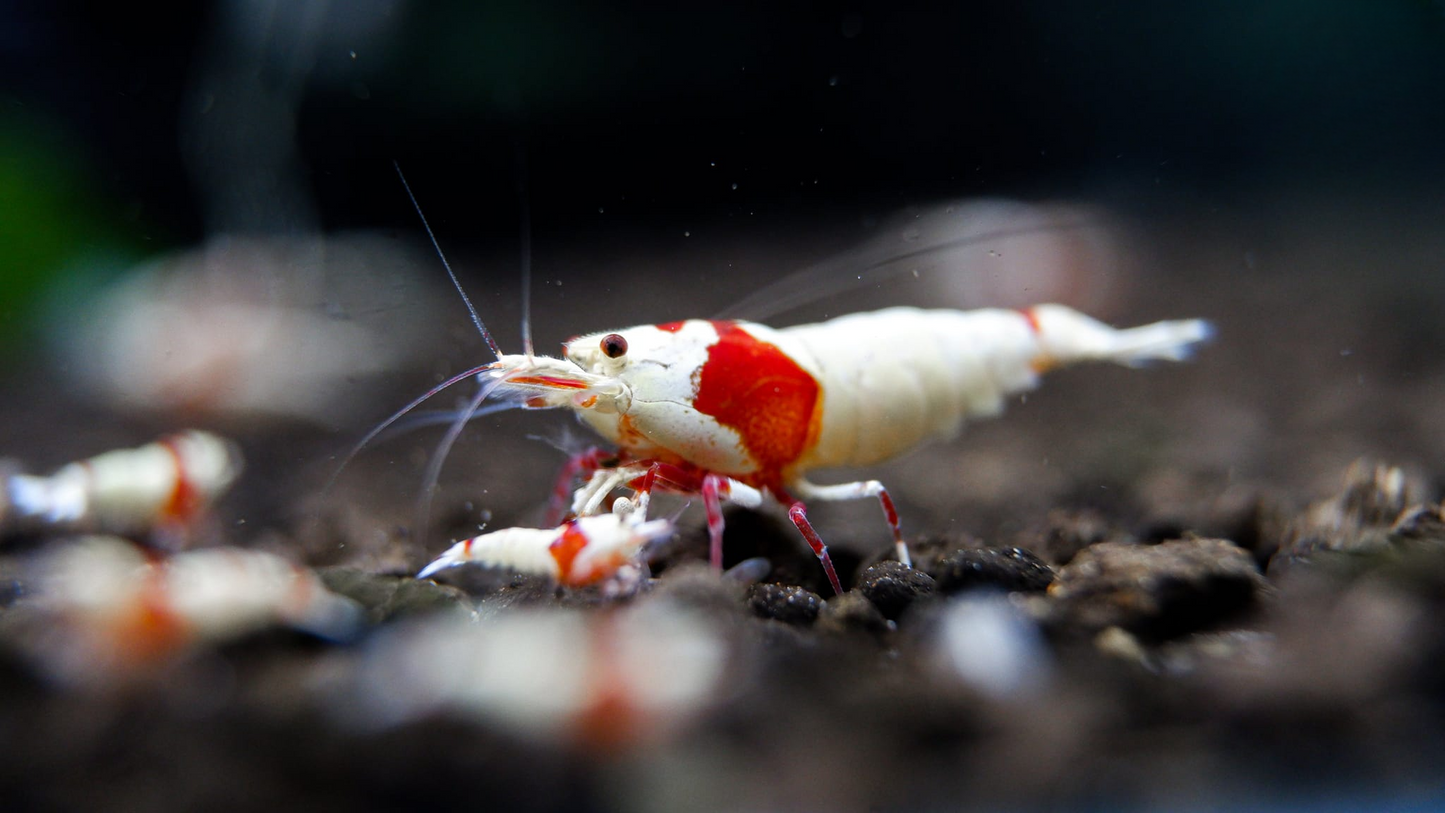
1012	569
785	602
1156	592
893	586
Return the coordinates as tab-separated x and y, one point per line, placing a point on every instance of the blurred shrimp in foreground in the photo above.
99	608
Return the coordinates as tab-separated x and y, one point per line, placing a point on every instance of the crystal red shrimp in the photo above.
165	484
735	410
730	409
583	551
124	607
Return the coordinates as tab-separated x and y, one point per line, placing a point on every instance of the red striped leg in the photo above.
799	515
714	488
858	491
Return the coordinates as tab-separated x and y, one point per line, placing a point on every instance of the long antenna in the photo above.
476	320
395	416
526	217
434	465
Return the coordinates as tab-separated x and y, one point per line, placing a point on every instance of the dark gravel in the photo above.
1014	570
893	587
1156	591
785	602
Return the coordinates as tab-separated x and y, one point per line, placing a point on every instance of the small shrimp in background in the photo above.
160	489
255	328
967	254
107	608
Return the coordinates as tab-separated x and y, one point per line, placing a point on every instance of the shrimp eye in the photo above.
614	346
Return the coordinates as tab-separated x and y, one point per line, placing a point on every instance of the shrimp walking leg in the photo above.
858	491
581	465
713	488
589	498
799	515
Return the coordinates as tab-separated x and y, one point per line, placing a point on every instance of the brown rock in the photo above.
1155	592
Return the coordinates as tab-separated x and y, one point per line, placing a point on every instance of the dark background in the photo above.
653	115
1284	160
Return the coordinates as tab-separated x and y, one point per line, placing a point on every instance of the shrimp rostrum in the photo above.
733	409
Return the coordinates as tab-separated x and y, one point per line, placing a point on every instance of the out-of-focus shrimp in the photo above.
165	484
604	682
112	608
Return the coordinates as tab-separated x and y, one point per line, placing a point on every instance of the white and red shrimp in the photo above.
603	682
724	408
733	409
123	609
162	486
581	552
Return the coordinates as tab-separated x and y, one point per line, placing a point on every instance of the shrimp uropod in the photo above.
169	483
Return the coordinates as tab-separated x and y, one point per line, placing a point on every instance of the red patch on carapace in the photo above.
565	550
756	390
671	327
185	499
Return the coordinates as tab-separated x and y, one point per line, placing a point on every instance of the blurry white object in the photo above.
561	676
278	327
1064	253
108	608
967	254
993	647
171	482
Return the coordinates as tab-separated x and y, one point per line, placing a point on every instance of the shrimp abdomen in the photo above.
895	378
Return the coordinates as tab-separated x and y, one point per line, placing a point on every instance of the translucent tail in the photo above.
1069	336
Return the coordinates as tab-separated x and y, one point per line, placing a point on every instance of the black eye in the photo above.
614	346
